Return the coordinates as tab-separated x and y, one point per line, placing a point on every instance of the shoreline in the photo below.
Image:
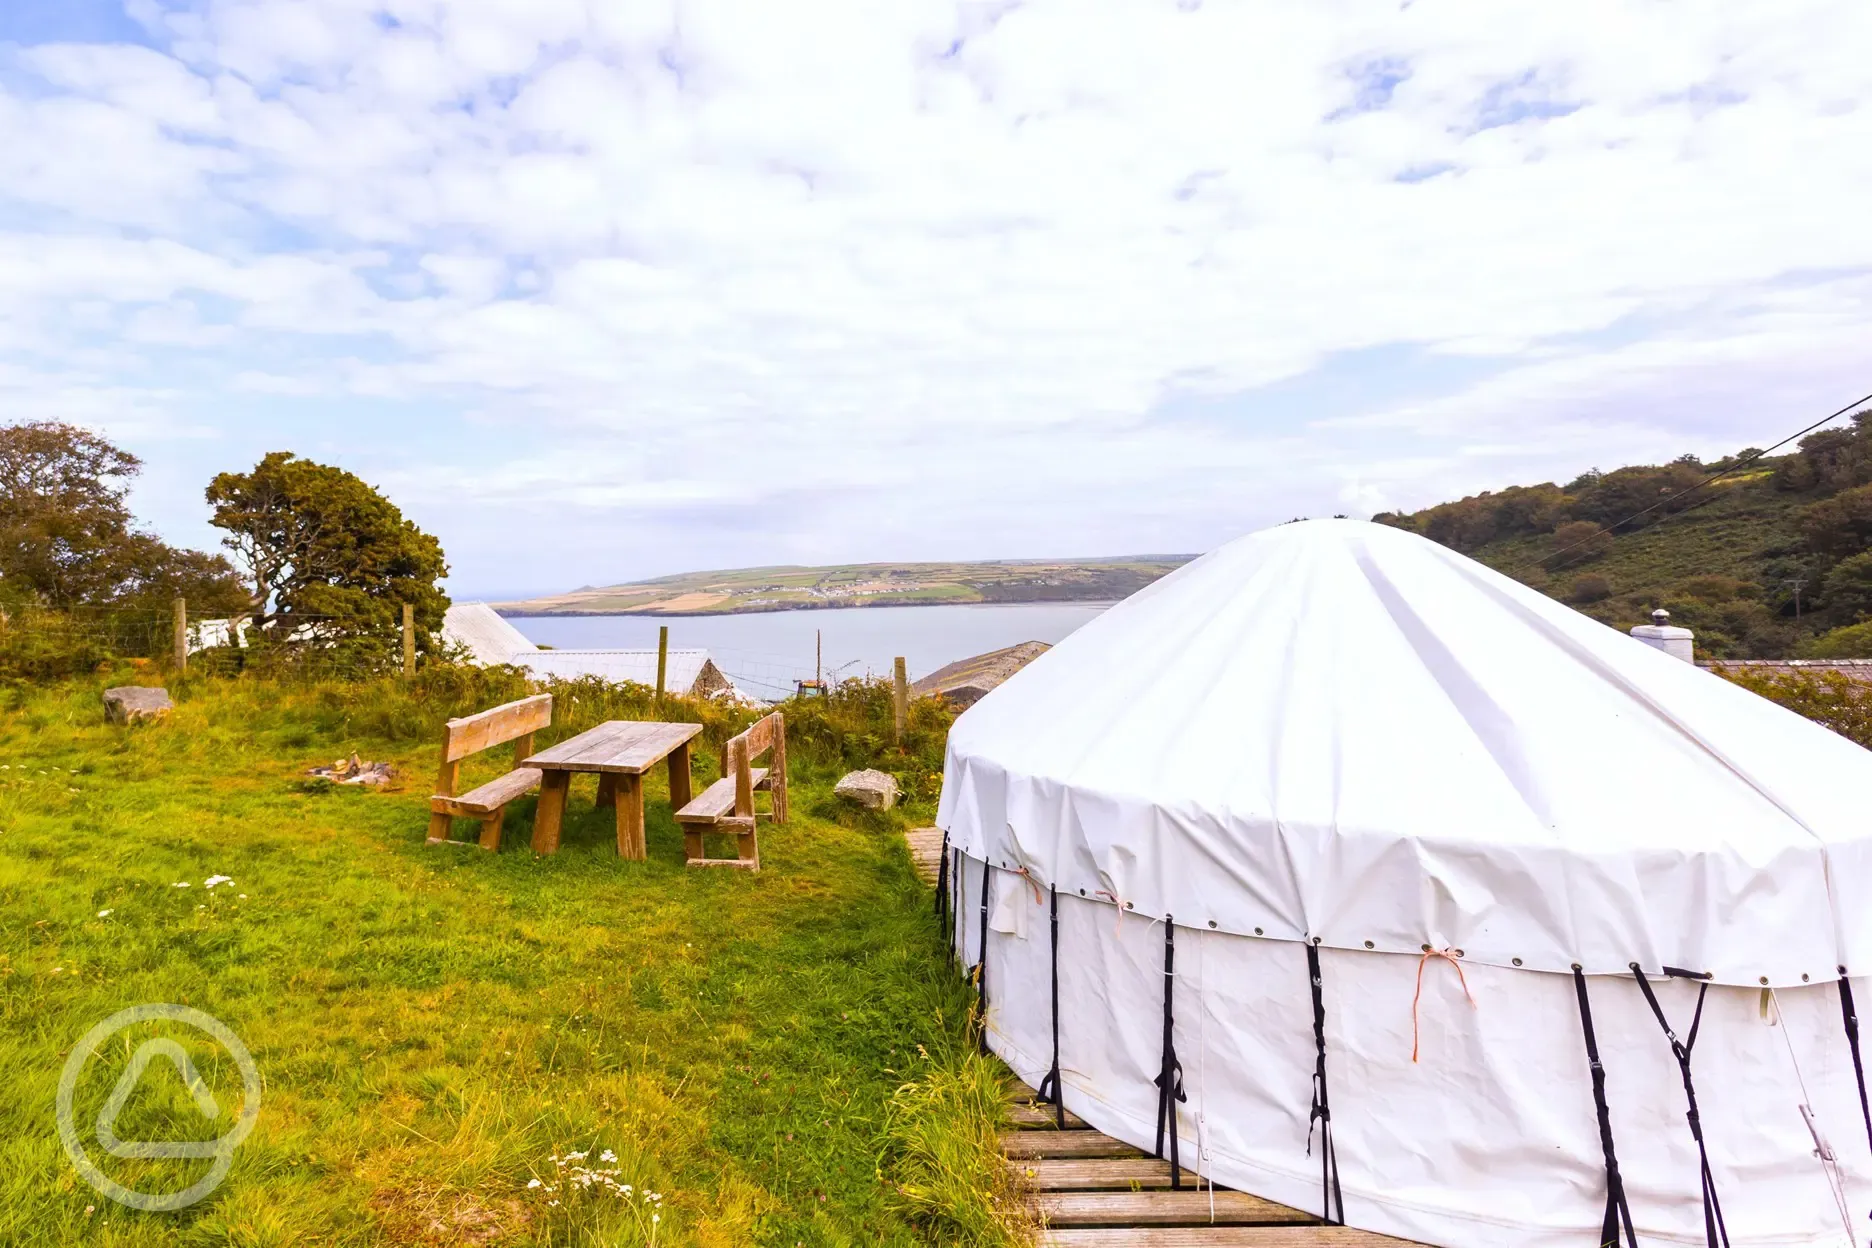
506	614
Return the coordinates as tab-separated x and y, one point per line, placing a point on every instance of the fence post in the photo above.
662	662
181	635
900	703
409	639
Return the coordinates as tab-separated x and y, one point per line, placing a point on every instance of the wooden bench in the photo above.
728	804
514	721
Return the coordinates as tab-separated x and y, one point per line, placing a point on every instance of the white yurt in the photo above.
1364	849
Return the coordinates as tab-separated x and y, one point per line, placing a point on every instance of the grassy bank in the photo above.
776	1057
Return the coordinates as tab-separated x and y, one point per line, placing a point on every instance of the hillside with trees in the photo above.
1772	560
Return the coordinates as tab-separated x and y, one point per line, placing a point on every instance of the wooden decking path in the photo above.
925	851
1092	1191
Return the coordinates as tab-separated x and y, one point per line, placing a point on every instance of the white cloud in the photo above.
940	265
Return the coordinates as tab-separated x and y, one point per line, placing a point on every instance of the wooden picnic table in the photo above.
619	752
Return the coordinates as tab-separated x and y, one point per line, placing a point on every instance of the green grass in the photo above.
435	1025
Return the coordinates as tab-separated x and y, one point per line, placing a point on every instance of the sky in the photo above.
603	290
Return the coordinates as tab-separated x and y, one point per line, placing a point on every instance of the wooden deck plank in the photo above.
1040	1117
1162	1209
1218	1237
1020	1145
1098	1174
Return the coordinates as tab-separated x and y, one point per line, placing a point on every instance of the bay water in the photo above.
766	653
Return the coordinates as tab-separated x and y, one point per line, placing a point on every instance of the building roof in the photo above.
1855	669
965	681
490	639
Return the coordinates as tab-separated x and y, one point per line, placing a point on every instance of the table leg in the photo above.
550	812
607	789
630	818
679	784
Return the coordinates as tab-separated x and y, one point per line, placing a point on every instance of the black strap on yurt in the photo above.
1333	1198
1617	1212
1715	1231
981	967
1169	1080
1852	1042
956	953
942	879
1049	1093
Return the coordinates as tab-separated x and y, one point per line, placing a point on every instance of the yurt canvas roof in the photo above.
1343	732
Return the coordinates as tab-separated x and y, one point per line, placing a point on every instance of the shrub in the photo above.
1590	588
1839	702
1576	542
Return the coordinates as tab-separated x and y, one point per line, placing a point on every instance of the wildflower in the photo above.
57	969
213	880
243	897
531	1183
103	914
181	883
607	1155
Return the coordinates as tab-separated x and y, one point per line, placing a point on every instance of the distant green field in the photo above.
860	585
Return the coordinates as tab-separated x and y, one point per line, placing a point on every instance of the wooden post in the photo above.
181	635
409	640
662	661
818	660
900	702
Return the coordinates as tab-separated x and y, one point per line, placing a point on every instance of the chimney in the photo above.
1660	635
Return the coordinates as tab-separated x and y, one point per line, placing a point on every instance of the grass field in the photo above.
780	1058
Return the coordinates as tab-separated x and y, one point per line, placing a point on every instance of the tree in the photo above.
320	542
1847	590
1851	642
67	537
1839	525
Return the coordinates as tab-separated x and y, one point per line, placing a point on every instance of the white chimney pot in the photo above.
1661	635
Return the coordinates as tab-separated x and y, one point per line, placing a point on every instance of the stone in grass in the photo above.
129	704
874	790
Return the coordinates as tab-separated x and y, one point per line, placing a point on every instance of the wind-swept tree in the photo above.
67	537
320	542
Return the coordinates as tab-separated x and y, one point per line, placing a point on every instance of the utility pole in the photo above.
181	635
1797	582
818	660
409	639
900	702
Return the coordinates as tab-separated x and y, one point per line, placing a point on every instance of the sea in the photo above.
767	653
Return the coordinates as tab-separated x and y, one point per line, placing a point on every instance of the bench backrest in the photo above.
512	721
764	736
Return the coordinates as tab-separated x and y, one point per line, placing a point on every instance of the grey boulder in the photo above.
129	704
874	790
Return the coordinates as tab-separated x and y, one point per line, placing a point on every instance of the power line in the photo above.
1740	464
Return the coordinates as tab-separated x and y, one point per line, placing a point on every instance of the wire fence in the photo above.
38	644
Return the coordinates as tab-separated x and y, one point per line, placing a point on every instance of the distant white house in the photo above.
489	639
